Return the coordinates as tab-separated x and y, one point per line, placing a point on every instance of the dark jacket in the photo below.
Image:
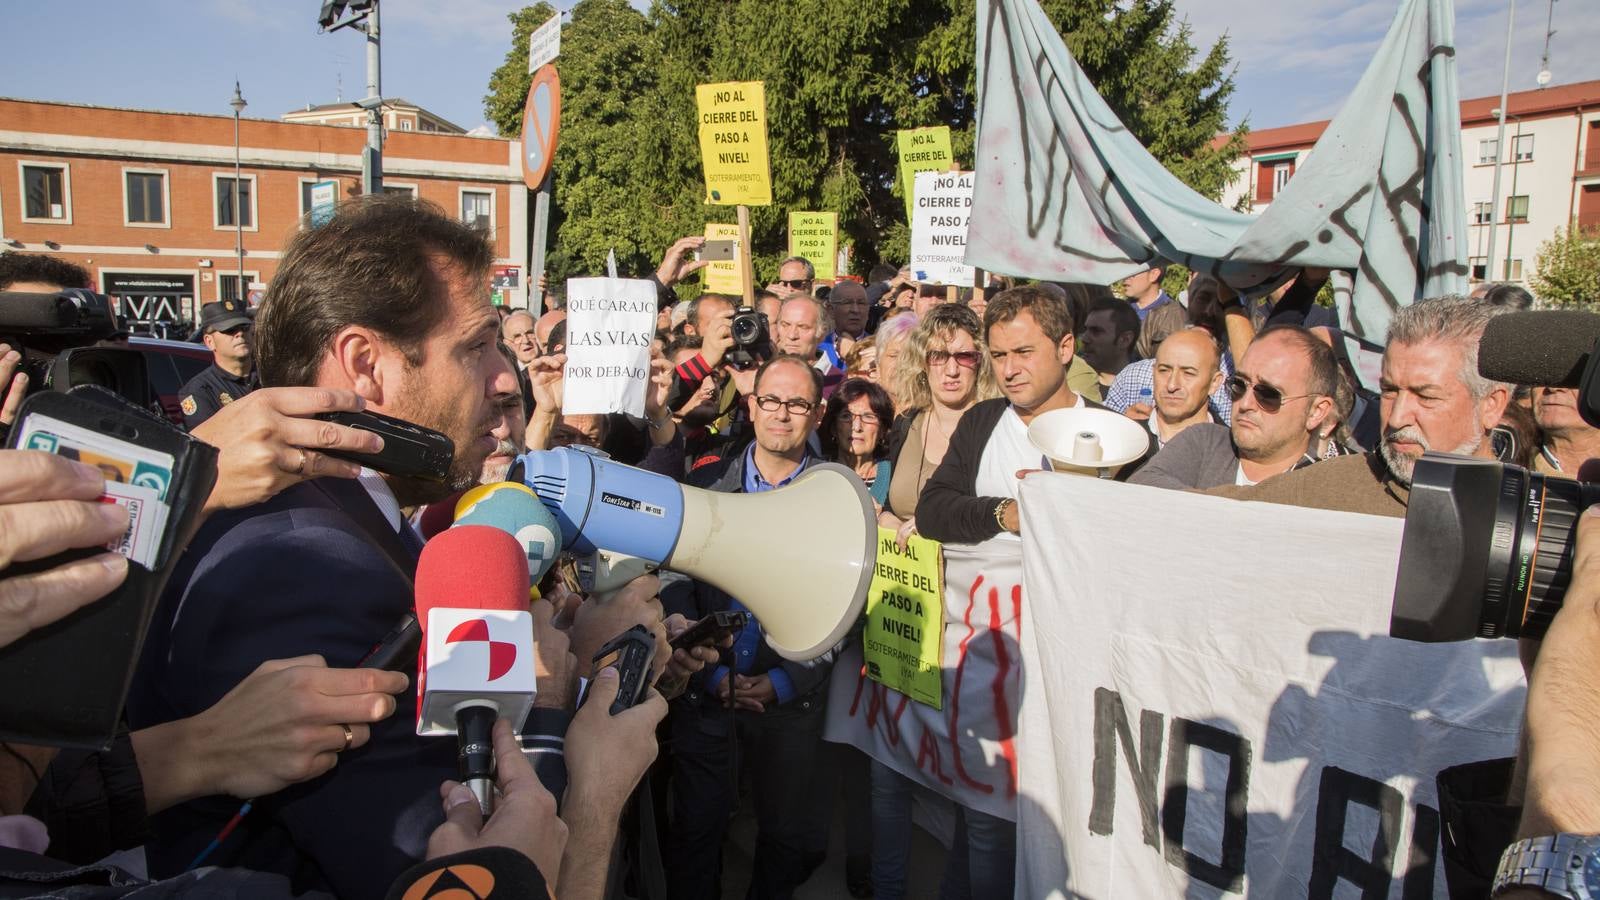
92	801
948	511
696	599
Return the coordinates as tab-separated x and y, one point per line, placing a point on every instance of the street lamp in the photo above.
238	105
1511	221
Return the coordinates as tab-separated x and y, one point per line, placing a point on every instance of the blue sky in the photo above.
1296	59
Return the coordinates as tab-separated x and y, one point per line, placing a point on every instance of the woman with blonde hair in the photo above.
891	340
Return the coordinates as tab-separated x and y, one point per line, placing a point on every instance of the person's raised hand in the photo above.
49	504
658	389
902	535
269	439
545	382
744	380
676	264
602	618
717	338
553	663
13	384
524	817
685	661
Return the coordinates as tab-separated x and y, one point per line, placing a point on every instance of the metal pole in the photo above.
541	229
372	160
238	210
1500	135
1511	223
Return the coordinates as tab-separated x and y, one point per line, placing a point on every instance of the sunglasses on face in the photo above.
968	359
798	284
796	407
1268	397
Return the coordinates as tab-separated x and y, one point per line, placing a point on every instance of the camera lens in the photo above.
746	328
1487	549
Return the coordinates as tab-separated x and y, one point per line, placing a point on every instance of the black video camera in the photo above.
1487	547
56	334
751	344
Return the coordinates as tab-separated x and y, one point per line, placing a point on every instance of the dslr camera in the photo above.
1487	547
751	344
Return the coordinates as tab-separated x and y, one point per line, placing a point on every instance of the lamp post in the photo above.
238	105
1511	220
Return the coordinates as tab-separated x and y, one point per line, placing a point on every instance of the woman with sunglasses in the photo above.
855	433
943	372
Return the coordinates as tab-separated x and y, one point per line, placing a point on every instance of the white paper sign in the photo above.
1225	715
544	44
610	323
941	210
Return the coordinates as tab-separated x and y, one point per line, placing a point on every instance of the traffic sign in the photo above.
544	45
541	123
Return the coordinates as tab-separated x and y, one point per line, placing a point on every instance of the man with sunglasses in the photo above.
1282	392
796	275
777	705
226	326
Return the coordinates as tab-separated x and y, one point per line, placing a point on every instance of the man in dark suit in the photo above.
387	299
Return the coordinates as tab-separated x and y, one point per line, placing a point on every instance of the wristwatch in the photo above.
1563	865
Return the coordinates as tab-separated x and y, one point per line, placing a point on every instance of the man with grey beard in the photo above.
1432	399
513	426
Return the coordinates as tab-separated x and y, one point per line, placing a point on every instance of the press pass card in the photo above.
136	477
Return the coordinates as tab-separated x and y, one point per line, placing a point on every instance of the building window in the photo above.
1271	176
1483	212
410	190
1488	150
1522	148
1478	266
224	189
144	197
46	192
1513	269
405	124
477	209
1280	177
1517	208
305	196
228	284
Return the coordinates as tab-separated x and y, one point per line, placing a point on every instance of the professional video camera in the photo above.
56	334
751	344
1487	549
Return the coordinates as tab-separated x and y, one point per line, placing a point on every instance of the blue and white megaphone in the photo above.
800	557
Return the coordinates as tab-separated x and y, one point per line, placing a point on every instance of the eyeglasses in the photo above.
867	420
799	284
796	407
1269	397
966	358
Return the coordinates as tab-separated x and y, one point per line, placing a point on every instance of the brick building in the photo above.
1550	177
144	200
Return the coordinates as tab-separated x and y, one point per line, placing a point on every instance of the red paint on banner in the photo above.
929	752
1002	708
955	692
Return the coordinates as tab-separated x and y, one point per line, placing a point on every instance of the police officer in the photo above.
226	326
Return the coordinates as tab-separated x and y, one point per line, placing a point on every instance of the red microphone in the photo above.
477	659
437	517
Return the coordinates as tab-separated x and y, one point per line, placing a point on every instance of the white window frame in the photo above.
1282	171
1516	148
1483	212
1512	265
66	190
1523	219
166	197
1473	262
1484	157
405	124
461	196
408	185
255	198
250	276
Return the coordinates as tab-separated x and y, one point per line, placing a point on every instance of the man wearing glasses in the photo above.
796	275
848	303
777	705
1282	395
226	326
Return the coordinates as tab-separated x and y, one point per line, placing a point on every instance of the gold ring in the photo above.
300	469
349	738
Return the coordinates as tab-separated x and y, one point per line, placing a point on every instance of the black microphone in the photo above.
1538	347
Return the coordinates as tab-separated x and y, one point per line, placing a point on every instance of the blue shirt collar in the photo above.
755	483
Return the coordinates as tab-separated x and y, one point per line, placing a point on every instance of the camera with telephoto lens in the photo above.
1487	547
56	334
751	344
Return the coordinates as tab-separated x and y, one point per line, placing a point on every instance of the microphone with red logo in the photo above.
477	659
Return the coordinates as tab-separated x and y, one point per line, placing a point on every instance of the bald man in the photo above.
546	324
518	332
1188	369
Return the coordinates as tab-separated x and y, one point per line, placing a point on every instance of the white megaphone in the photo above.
800	557
1087	441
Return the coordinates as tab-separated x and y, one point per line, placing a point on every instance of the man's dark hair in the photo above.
1082	297
848	392
1325	375
1050	311
683	342
371	265
882	272
16	268
1504	293
791	359
1123	318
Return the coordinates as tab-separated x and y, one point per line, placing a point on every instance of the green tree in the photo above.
1568	269
508	85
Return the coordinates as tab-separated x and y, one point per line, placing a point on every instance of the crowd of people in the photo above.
247	686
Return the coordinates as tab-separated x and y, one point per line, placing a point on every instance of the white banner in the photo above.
610	322
1211	705
967	751
544	44
939	217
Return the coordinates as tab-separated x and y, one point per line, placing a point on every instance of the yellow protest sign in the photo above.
904	639
722	276
922	150
733	142
815	237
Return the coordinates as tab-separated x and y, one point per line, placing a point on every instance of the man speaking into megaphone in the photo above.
778	703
